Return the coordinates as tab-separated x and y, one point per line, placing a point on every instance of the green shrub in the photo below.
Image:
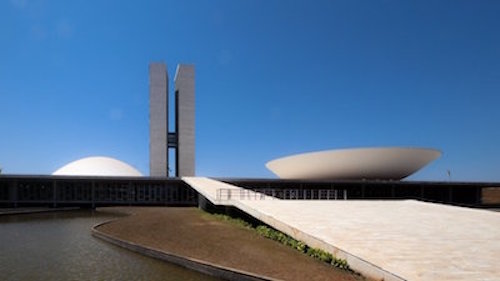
326	257
301	246
236	221
262	230
340	263
310	251
284	239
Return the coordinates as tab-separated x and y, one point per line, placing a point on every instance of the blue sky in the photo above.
272	78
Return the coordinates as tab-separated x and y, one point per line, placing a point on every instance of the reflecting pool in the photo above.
59	246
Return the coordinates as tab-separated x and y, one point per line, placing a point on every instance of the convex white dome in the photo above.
98	166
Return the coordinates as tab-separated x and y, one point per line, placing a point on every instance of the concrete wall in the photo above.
185	104
158	120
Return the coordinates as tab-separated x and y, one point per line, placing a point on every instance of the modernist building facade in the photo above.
182	138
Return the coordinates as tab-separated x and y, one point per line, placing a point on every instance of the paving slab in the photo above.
389	239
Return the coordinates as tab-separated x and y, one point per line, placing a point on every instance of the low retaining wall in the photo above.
215	270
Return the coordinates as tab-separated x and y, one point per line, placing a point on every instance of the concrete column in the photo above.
13	190
54	194
93	195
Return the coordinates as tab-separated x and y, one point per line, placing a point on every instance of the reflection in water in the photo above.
59	246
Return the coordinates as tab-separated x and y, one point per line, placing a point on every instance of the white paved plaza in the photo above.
394	240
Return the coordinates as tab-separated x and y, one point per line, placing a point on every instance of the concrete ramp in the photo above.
385	240
210	188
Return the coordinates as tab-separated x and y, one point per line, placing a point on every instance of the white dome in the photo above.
359	163
98	166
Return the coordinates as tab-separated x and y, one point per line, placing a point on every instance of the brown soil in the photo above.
193	233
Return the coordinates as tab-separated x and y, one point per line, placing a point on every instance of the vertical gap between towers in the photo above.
172	111
176	93
176	115
172	166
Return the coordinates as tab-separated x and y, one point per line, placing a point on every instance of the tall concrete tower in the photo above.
158	120
184	100
182	140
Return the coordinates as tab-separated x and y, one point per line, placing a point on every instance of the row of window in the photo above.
102	192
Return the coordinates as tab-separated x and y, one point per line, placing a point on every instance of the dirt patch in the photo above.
193	233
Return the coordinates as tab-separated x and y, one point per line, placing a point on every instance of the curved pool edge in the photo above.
27	211
216	270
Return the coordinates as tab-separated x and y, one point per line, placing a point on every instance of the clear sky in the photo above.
272	78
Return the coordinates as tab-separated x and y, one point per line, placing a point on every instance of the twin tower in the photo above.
179	142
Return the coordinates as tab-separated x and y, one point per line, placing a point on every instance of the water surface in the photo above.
59	246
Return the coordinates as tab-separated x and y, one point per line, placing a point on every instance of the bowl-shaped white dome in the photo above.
98	166
390	163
